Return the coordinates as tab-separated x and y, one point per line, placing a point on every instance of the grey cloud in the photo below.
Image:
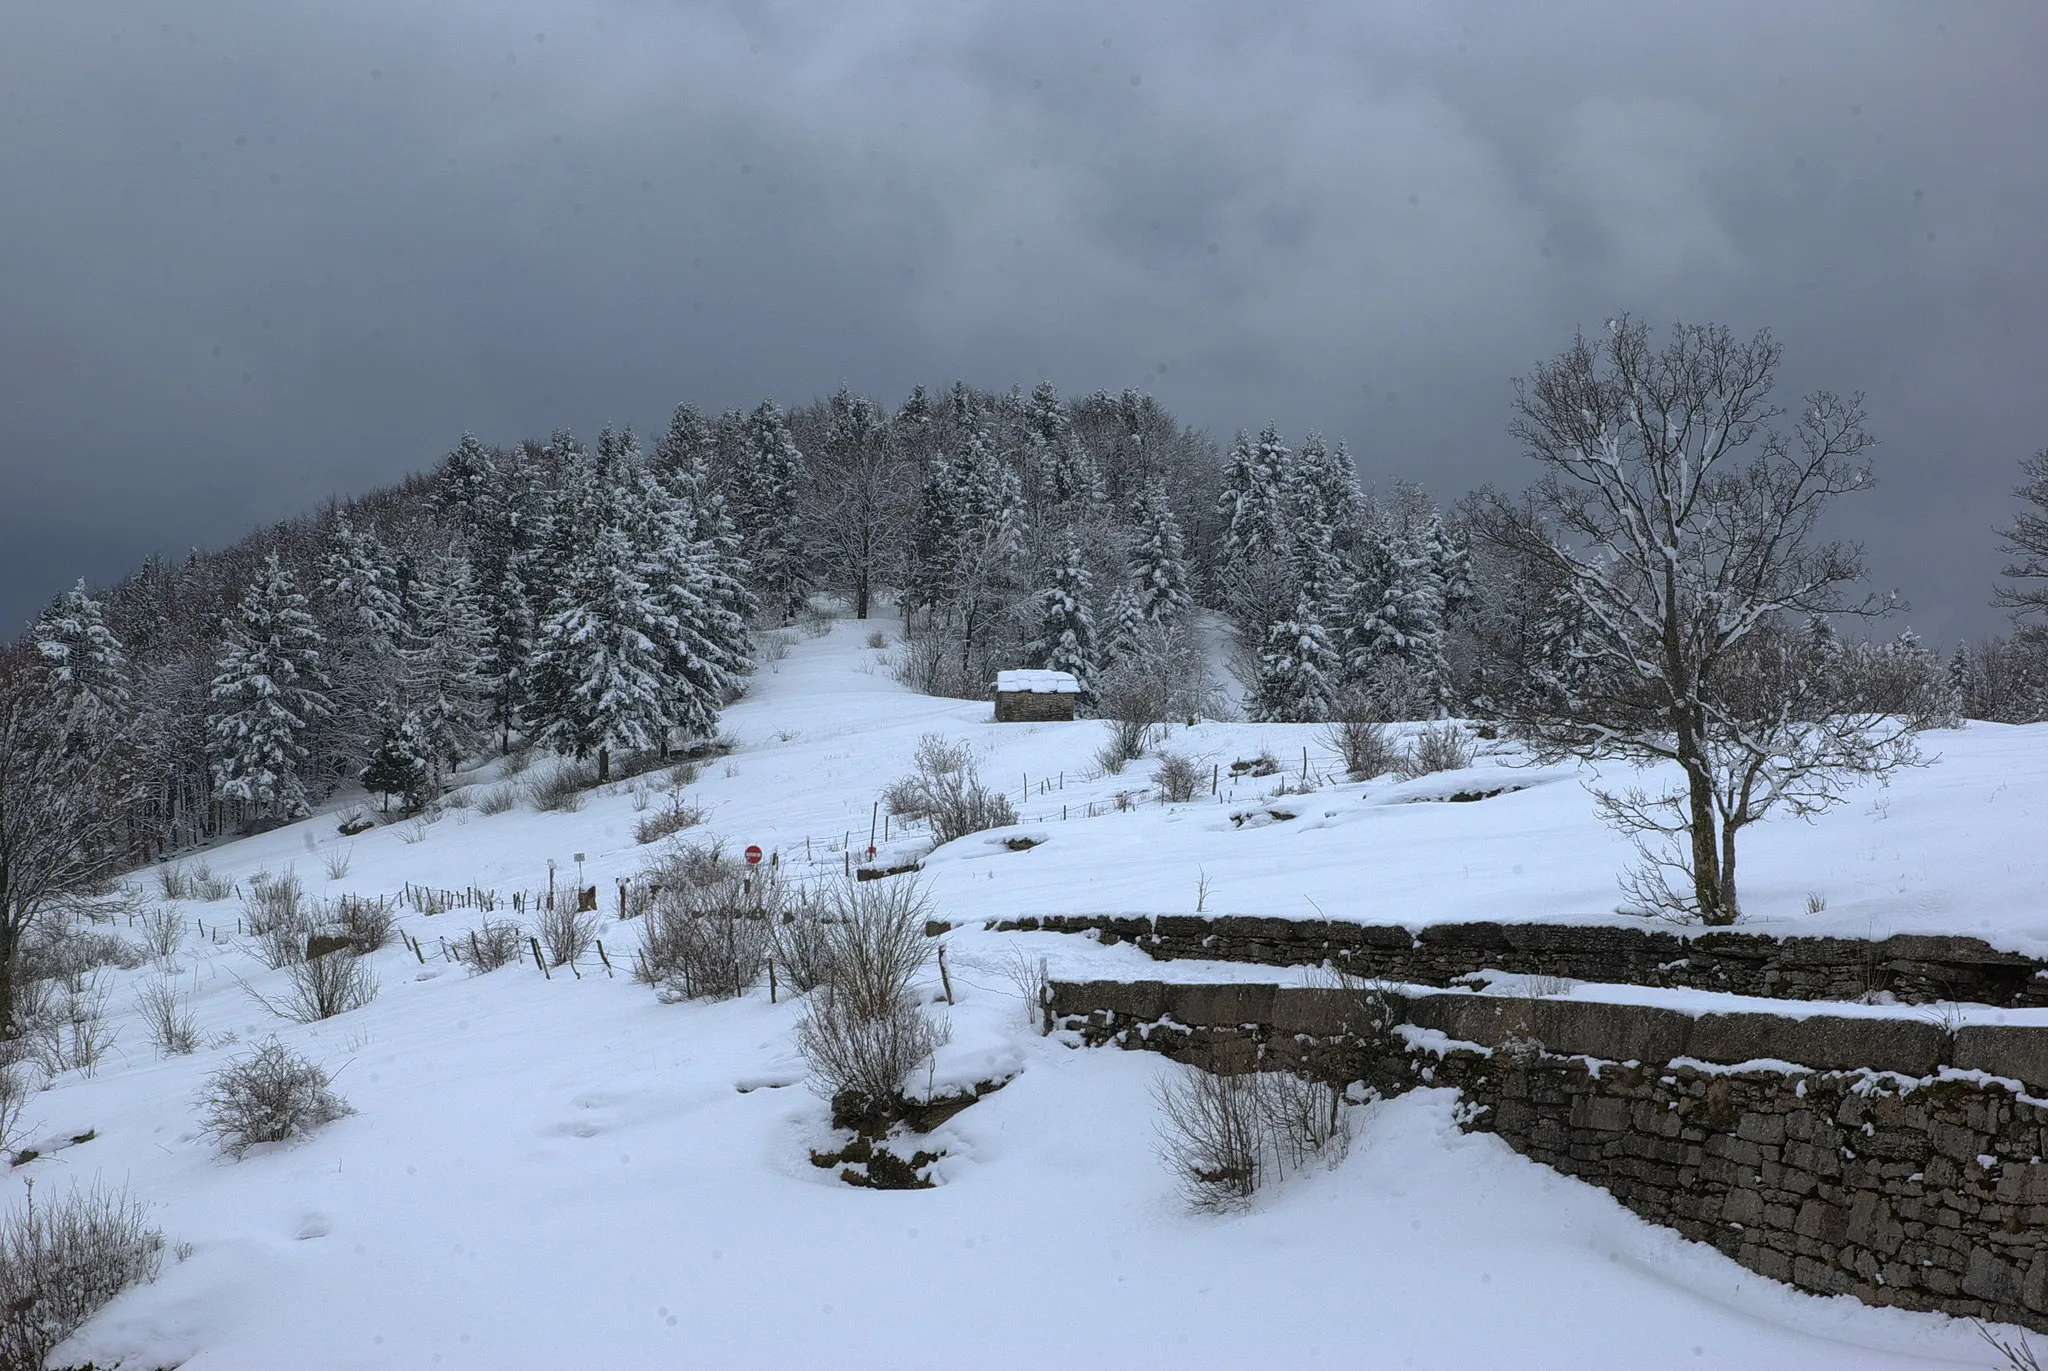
259	254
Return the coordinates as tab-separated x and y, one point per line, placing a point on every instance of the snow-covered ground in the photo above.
567	1172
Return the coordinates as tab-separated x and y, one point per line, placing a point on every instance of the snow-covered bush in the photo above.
1439	747
18	1085
566	933
270	1095
322	987
874	943
667	823
492	944
1178	778
497	799
559	788
708	931
1358	736
274	900
165	1008
59	1263
68	1029
365	921
945	788
862	1059
1223	1136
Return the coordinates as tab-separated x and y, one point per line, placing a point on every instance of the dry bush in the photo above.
461	798
69	1030
322	987
668	822
165	1007
801	942
772	647
270	1095
174	881
1211	1136
1358	736
492	944
1439	747
878	639
282	943
853	1056
874	944
1032	979
336	864
61	1262
566	934
497	799
367	922
684	773
709	925
18	1085
1223	1136
945	788
1178	778
274	900
559	788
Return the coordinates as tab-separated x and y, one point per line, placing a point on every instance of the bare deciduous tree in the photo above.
2026	541
1680	529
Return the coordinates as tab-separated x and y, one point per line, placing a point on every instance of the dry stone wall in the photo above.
1886	1158
1911	967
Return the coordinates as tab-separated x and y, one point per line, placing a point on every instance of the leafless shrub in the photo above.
19	1083
166	1010
174	881
60	1263
337	863
709	929
2018	1354
668	822
414	832
322	987
1031	978
1178	778
365	921
518	759
1211	1136
492	944
559	789
875	943
274	900
566	934
497	799
1224	1135
813	622
867	1059
73	1032
282	942
773	647
946	789
209	887
461	798
270	1095
1816	902
684	773
1360	739
878	639
1439	747
802	946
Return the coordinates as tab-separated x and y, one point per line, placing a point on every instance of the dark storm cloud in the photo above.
253	254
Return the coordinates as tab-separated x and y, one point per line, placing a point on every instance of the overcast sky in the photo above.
253	254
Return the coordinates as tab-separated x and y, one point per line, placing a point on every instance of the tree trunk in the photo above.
604	765
860	594
8	1030
1707	877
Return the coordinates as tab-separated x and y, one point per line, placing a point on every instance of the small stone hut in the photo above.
1035	696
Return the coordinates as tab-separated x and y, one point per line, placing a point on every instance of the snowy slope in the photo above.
567	1172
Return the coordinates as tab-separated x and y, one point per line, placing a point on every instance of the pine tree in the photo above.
1158	569
1122	622
268	691
1450	563
1395	644
771	529
359	580
1295	664
463	485
1322	487
443	677
1962	678
400	766
1067	475
84	658
702	638
1254	488
503	551
1065	638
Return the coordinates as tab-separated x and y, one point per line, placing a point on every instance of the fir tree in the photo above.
400	765
1255	481
444	681
701	635
1322	488
771	529
1295	663
1962	678
1122	621
364	587
84	658
463	485
1065	638
1159	571
268	691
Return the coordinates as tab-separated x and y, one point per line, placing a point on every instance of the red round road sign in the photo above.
871	851
753	854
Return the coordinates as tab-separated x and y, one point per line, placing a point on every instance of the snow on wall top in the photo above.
1037	683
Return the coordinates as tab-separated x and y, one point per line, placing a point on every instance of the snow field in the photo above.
565	1172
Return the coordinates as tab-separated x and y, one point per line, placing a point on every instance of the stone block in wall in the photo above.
1909	1046
1611	1032
1309	1009
1221	1004
1482	1019
2017	1051
1142	1001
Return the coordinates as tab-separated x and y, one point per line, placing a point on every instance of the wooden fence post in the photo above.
537	957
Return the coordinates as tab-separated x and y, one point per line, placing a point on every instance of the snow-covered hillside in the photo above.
567	1172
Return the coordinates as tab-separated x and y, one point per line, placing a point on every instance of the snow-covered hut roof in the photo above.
1037	683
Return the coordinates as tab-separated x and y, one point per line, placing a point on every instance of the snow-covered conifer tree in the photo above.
1159	571
1254	491
401	764
84	658
1294	668
770	528
444	683
360	583
267	692
1065	627
463	485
